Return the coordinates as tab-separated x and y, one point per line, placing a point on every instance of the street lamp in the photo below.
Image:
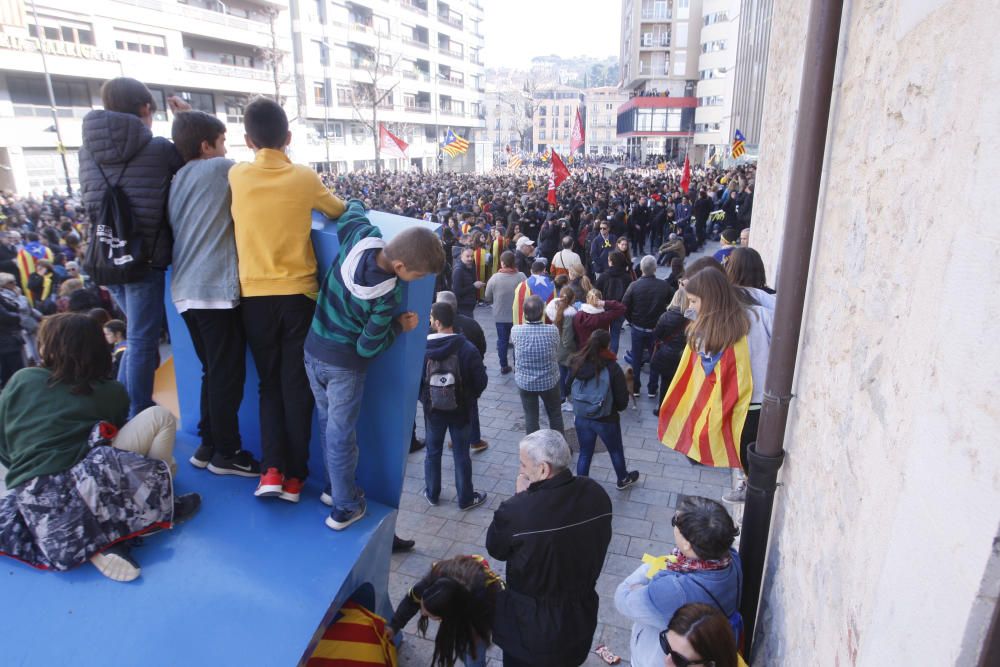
52	99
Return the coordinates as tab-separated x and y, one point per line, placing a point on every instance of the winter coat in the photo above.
567	338
112	139
469	327
548	239
10	322
599	251
589	319
554	537
619	389
500	292
614	282
670	338
645	300
473	374
463	279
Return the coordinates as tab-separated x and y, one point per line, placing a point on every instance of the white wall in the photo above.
891	489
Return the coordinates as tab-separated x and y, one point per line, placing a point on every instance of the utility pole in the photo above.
52	99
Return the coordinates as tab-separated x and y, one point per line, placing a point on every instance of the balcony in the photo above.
200	14
448	81
418	108
416	42
414	7
218	69
446	51
656	15
451	20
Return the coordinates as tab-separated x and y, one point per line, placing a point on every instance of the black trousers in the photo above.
276	328
220	343
749	435
11	361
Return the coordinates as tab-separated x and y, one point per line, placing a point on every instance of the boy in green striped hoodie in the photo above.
353	324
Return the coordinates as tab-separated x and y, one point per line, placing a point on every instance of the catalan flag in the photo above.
454	145
481	257
515	162
703	412
357	638
738	148
541	286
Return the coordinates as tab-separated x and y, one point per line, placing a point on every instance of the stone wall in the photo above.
891	490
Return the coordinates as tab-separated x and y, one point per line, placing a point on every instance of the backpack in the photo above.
444	381
735	618
592	397
115	254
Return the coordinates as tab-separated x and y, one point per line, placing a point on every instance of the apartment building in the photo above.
602	120
214	55
659	62
509	111
555	113
417	62
713	118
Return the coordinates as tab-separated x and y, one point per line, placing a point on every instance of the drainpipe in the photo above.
766	454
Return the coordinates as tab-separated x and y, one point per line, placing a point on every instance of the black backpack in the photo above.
444	384
115	254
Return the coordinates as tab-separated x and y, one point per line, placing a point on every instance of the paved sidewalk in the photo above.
641	513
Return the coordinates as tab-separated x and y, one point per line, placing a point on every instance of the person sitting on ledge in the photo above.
83	481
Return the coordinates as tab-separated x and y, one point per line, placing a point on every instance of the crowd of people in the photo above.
81	305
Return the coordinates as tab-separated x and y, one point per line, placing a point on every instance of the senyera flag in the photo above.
578	139
390	143
686	178
559	174
702	414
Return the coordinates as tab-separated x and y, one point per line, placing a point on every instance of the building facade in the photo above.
602	121
884	546
751	67
713	119
509	111
659	62
214	56
555	110
414	65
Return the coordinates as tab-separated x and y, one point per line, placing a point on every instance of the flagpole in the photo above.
61	149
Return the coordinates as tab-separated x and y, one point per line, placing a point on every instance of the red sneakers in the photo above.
291	490
270	484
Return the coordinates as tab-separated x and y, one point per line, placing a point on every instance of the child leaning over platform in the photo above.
272	215
205	288
353	324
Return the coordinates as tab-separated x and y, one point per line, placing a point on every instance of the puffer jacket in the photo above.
670	338
112	139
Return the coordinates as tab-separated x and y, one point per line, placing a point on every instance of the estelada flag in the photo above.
390	143
559	174
357	638
686	178
578	139
541	286
702	415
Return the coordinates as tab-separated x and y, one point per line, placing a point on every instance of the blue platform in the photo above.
247	581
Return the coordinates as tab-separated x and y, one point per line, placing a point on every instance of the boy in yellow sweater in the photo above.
272	217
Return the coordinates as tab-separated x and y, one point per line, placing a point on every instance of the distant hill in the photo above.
579	71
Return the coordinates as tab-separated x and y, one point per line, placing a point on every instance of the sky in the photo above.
518	30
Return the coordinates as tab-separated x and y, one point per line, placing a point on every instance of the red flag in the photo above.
559	174
578	138
686	178
390	143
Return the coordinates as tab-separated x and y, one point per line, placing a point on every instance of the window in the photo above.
541	135
715	73
566	122
711	101
541	122
234	109
198	101
358	133
31	91
683	9
680	63
681	36
555	110
140	42
344	96
711	47
236	60
319	92
63	30
717	17
321	52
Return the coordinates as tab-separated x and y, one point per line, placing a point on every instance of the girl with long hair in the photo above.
54	421
745	268
579	283
705	408
561	312
596	313
460	593
599	393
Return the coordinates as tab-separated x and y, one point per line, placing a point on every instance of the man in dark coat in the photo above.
554	534
464	283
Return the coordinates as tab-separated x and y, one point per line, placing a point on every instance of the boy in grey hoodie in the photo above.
205	288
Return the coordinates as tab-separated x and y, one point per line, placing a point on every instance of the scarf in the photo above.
681	563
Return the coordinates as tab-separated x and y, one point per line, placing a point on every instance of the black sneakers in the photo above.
478	498
185	507
242	463
629	480
201	457
399	545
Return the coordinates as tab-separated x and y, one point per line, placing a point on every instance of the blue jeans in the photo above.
642	347
338	393
503	342
587	431
435	426
480	659
564	382
142	303
616	332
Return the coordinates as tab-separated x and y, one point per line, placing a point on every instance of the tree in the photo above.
274	56
369	96
520	106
